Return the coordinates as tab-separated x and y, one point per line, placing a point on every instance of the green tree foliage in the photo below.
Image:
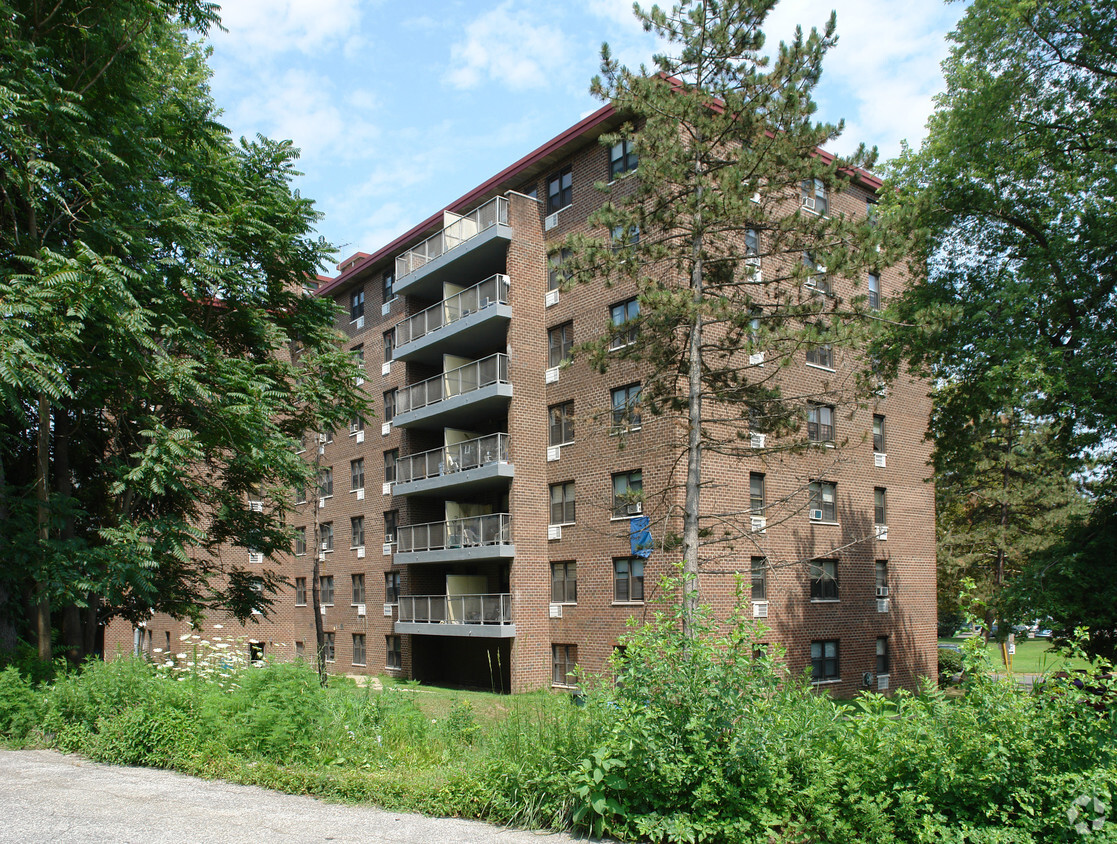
158	360
1011	202
726	140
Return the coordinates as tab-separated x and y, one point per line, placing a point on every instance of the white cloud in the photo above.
507	46
261	28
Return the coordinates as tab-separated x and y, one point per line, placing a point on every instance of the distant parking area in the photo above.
1033	656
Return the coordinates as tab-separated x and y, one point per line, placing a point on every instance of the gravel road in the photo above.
50	797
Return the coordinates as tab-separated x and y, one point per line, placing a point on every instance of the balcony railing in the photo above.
453	458
456	233
456	609
492	290
454	382
468	532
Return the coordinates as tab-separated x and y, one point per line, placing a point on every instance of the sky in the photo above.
399	108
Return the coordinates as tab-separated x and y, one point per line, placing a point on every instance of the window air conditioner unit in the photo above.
884	604
752	261
756	359
322	439
361	494
759	609
757	440
551	375
321	503
635	508
321	449
388	610
361	611
322	609
360	436
816	515
882	682
359	381
325	546
554	452
554	532
878	460
550	221
255	558
556	610
360	552
756	197
551	298
360	322
385	309
256	506
808	202
321	557
759	524
387	550
882	532
882	591
386	368
385	429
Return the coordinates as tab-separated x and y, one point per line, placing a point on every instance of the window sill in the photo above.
625	517
627	604
827	524
361	664
827	682
820	366
620	432
562	524
561	445
301	605
565	603
826	600
563	686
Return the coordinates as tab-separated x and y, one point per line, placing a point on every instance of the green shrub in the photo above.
19	704
99	689
153	733
950	664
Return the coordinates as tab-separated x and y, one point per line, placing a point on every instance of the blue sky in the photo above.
399	108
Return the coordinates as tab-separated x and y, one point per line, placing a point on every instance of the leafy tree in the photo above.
727	144
158	359
1010	199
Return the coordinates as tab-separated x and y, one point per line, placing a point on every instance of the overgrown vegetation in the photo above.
697	739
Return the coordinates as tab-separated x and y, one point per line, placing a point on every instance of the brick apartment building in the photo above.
477	532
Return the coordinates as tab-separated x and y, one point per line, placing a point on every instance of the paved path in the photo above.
49	797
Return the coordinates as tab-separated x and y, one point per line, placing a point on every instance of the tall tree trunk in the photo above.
42	492
8	635
72	634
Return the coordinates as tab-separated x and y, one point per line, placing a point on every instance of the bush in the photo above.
950	665
19	704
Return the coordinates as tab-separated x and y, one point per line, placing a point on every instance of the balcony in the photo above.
479	464
481	616
468	245
468	539
457	325
474	391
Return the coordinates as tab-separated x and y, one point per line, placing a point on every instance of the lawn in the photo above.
1033	656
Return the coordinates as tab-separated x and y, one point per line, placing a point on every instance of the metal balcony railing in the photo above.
494	608
453	458
454	382
468	532
489	292
459	231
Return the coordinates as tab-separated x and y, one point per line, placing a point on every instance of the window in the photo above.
874	291
300	591
357	423
358	648
752	243
357	532
560	343
357	473
391	587
760	578
624	237
255	651
824	580
328	646
824	501
563	660
358	353
626	408
817	279
756	493
393	652
300	495
560	190
880	514
824	660
628	580
391	522
300	541
327	531
325	482
564	582
628	489
562	423
356	305
562	503
389	405
882	654
623	316
821	354
878	434
820	423
302	445
814	196
622	159
300	650
555	276
358	588
326	589
387	284
329	435
881	568
391	461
